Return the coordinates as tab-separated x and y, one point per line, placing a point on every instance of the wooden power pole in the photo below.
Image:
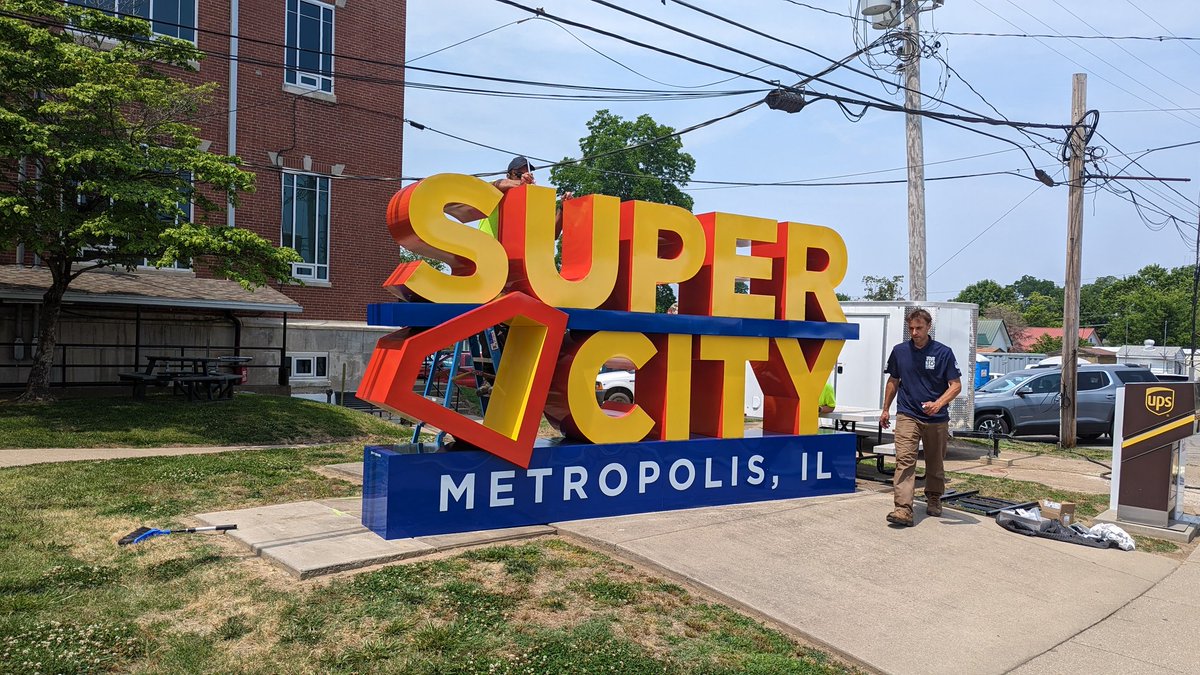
1070	348
916	155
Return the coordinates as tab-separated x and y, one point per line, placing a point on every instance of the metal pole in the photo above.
916	155
284	375
1070	349
1195	290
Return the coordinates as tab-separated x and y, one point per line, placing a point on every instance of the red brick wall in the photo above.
362	130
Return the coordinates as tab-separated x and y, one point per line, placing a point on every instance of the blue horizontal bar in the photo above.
422	314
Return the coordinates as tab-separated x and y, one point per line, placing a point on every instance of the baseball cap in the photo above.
519	162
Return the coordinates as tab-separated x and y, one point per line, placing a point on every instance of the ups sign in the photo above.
1160	400
1155	413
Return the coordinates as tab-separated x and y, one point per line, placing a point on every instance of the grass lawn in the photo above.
163	420
72	601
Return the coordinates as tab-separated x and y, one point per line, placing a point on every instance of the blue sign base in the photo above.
409	492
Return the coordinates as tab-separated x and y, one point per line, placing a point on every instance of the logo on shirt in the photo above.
930	363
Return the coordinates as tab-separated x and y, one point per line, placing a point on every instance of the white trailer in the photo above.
858	381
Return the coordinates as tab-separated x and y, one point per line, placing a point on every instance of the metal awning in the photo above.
150	288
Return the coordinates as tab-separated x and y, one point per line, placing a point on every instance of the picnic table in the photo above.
198	377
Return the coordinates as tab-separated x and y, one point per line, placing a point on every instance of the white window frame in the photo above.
117	10
293	76
309	270
313	359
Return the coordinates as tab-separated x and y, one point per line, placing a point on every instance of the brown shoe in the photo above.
900	517
933	506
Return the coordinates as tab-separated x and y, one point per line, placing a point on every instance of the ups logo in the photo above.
1160	400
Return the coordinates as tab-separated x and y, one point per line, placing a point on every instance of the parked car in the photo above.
1026	402
1172	377
615	385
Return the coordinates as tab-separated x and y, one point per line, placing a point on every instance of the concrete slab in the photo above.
313	538
350	471
954	594
309	539
1175	531
1158	632
1075	658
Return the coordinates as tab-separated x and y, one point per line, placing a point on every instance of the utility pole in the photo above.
916	154
1195	293
1066	429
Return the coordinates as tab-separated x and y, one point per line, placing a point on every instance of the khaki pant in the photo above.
909	431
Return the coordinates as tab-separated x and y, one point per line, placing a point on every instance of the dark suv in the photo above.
1026	402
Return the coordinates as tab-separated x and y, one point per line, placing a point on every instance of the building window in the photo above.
174	18
184	216
306	224
308	365
309	54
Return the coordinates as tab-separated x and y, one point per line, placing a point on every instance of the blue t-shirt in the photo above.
924	375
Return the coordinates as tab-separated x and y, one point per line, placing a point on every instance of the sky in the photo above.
999	227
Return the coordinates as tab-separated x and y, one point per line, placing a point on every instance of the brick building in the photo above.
310	97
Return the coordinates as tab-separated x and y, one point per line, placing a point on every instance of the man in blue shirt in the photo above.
925	374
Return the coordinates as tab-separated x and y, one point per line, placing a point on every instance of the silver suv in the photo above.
1026	402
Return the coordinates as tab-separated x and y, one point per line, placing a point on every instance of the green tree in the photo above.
1042	310
656	172
842	297
97	158
1092	311
1024	288
664	298
1154	304
883	288
986	293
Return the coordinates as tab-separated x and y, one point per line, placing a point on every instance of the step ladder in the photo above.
485	350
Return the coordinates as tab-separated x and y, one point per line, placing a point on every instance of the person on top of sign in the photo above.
520	172
925	374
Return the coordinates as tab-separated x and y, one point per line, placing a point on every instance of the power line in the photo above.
1136	162
1184	41
1135	56
1080	65
1060	36
1100	58
985	230
779	40
460	42
538	12
879	103
630	69
826	11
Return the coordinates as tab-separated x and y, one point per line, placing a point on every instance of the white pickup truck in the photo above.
614	385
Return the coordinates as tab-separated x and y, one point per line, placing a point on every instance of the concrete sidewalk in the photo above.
951	595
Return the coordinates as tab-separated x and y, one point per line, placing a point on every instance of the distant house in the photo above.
992	336
1032	334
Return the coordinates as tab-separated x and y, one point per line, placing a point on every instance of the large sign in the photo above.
565	322
460	491
1155	417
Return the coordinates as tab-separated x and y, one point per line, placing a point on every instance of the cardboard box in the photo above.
1064	512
